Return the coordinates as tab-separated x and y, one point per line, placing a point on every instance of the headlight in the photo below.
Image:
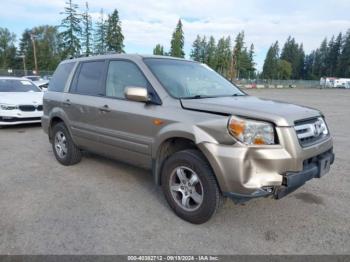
251	132
8	107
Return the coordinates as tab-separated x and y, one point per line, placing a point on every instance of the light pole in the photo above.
24	64
32	37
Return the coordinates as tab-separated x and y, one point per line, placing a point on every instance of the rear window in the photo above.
60	77
89	79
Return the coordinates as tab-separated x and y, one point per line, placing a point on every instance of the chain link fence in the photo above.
245	83
21	72
262	83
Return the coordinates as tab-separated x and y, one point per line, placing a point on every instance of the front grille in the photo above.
30	108
27	108
310	131
315	159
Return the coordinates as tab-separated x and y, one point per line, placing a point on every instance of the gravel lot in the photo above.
105	207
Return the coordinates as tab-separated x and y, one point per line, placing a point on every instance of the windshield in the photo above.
186	79
15	85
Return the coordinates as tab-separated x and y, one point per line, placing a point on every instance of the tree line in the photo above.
77	35
232	63
332	58
236	61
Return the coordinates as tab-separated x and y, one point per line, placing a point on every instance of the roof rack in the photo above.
94	54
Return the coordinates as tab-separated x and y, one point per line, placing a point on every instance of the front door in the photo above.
127	127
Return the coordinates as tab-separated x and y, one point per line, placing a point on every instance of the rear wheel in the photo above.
66	152
190	187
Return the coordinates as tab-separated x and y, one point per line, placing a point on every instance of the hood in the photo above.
280	113
21	98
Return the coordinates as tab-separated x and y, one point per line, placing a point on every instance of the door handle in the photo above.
67	102
105	108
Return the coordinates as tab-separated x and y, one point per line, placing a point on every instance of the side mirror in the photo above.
138	94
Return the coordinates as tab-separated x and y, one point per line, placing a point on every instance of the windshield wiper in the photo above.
202	96
196	97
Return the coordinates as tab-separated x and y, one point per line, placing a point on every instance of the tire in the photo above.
72	154
189	164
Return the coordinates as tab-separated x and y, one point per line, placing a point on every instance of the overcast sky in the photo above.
148	22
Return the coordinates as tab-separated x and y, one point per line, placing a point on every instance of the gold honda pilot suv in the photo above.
203	138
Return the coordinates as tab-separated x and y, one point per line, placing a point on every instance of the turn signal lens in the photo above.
259	141
237	127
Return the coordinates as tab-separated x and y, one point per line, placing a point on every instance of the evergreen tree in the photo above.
72	30
344	58
114	35
334	47
309	65
323	55
177	41
7	49
251	62
270	67
316	68
203	50
87	31
300	63
211	50
26	48
292	53
196	49
100	35
158	50
329	57
244	64
238	56
223	56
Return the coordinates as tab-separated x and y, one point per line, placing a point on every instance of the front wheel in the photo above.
190	187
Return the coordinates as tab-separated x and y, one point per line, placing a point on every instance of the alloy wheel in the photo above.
186	188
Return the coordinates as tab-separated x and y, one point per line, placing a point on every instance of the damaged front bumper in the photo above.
315	167
245	172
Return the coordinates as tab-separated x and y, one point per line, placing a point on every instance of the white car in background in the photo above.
42	84
21	101
39	81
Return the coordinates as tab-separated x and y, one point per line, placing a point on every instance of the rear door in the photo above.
84	102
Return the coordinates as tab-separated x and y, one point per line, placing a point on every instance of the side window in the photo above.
60	77
89	80
122	74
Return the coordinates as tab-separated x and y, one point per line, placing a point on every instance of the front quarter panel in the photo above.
198	127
